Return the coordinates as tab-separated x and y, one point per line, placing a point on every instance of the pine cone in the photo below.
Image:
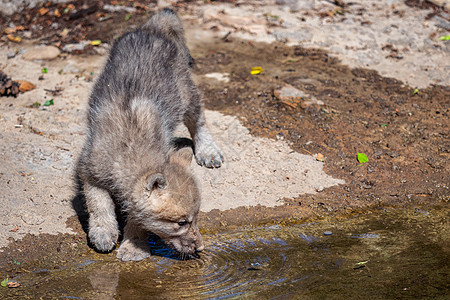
8	87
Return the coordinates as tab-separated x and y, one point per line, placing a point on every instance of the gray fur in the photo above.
143	93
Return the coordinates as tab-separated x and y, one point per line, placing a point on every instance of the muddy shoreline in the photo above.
403	131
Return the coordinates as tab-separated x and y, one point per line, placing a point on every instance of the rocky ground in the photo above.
368	77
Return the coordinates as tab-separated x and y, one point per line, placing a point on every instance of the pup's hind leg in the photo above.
103	226
207	153
134	245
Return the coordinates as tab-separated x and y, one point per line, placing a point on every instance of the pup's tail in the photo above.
167	24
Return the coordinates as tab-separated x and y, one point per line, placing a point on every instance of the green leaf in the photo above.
5	282
16	262
127	17
44	70
49	102
383	125
445	38
415	91
362	158
362	262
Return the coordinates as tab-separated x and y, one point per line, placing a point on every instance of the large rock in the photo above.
42	53
289	95
293	97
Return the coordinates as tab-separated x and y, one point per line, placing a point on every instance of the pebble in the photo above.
101	50
309	238
32	219
442	23
293	36
366	236
14	53
225	77
275	227
119	8
69	68
27	34
72	47
423	212
320	189
42	53
296	5
289	95
327	233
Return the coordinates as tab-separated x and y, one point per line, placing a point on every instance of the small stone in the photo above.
225	77
42	53
293	36
423	212
327	233
289	95
75	47
101	50
25	86
69	69
13	284
320	157
27	34
32	219
275	227
119	8
365	236
296	5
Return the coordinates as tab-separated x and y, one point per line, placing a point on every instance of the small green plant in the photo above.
5	282
362	158
49	102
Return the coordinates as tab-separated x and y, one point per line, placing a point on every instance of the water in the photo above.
379	255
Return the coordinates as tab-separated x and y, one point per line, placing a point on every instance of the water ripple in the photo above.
232	266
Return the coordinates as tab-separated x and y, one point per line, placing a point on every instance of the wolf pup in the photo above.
128	160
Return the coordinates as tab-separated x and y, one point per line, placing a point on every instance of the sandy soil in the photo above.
386	36
40	148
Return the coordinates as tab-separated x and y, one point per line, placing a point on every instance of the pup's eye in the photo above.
181	224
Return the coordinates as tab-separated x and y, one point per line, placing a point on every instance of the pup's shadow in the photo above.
79	204
156	244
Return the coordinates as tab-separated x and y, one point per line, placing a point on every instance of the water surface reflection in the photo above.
378	255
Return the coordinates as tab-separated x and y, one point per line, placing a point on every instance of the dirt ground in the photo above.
403	131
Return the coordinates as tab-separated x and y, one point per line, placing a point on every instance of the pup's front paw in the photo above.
133	250
209	155
103	239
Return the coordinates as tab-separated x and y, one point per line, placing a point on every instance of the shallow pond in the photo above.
378	255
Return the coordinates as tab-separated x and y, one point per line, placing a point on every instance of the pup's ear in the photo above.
156	181
182	157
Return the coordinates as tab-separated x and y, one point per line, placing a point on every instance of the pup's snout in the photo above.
200	248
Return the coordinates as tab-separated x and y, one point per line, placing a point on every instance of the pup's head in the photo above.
170	204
